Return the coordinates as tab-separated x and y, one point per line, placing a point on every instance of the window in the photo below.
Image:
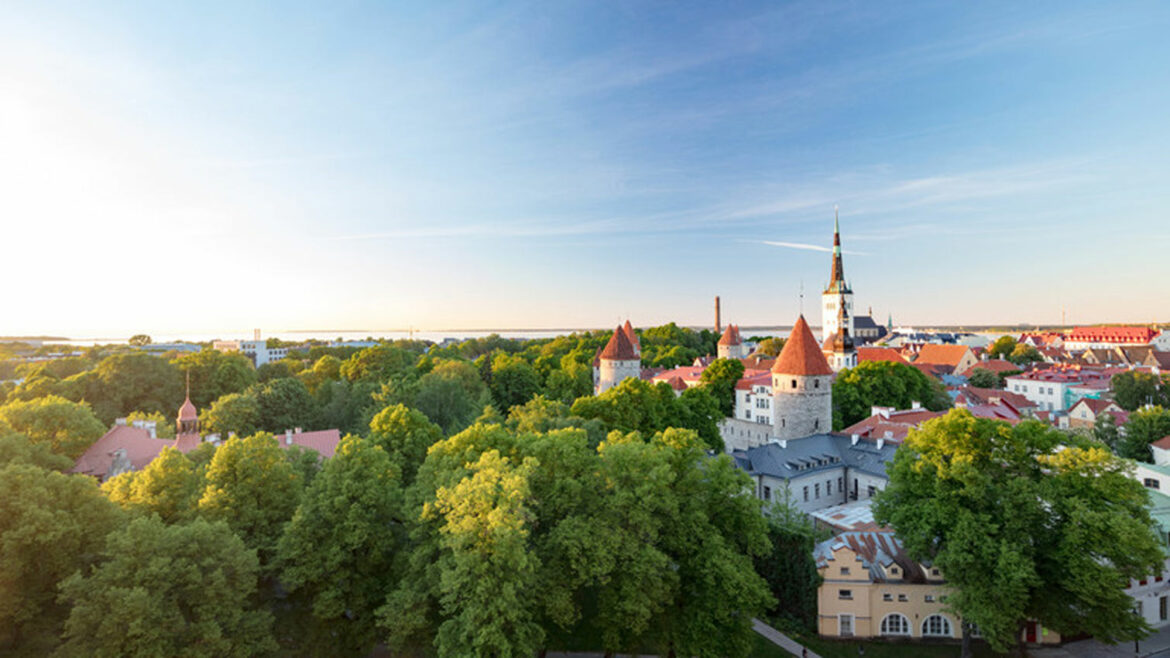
806	494
844	571
871	491
839	487
902	598
936	626
767	493
1162	608
794	383
895	624
817	489
816	423
929	598
1151	483
828	487
816	383
845	625
845	594
887	597
934	572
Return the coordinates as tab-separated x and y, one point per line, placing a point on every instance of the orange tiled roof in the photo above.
730	336
947	355
619	347
879	354
801	354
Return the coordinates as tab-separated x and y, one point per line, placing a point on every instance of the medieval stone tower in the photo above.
620	358
731	345
802	391
837	294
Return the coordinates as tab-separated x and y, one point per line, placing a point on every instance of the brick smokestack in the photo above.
718	324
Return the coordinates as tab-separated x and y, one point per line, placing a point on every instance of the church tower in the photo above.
802	391
838	348
187	434
837	294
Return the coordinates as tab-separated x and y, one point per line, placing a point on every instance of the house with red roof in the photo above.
1108	337
880	354
130	447
953	358
1086	411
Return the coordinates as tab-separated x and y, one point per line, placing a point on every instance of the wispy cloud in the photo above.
806	247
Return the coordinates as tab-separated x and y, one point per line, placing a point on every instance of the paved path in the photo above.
779	639
1156	645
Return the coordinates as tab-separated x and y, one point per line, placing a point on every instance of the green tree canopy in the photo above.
452	394
405	435
882	383
134	381
514	381
1145	426
234	412
169	486
68	428
168	590
17	449
378	363
720	379
983	378
1024	354
1002	348
1021	530
51	525
349	523
1133	389
139	340
215	374
285	404
253	488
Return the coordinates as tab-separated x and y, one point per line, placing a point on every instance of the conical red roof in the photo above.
619	347
801	354
188	411
629	329
730	336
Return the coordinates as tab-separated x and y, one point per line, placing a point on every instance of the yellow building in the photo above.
872	589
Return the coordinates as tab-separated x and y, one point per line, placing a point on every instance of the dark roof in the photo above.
800	457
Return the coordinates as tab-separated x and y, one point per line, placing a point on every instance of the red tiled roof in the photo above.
947	355
753	378
994	365
801	354
757	362
677	383
730	336
1094	404
632	335
1133	335
880	354
140	450
973	395
1163	443
619	347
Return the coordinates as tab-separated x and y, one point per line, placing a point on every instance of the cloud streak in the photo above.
806	247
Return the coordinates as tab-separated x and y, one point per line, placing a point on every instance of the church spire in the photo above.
837	274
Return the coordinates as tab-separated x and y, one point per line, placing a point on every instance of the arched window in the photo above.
895	624
936	626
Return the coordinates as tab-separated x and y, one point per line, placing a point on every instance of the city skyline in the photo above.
218	168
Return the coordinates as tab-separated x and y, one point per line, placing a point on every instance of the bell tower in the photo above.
837	294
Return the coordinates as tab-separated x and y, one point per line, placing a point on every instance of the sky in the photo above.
221	166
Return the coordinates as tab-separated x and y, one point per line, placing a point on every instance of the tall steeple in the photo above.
837	282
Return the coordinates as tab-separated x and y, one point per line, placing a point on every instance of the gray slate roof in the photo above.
815	453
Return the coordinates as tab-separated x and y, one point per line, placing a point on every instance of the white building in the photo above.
257	350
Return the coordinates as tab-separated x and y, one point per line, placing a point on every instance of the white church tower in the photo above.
837	294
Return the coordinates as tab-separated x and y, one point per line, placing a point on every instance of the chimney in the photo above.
881	442
718	322
288	434
783	443
915	404
884	412
853	439
296	430
120	421
150	427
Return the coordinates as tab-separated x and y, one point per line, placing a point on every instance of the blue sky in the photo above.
223	166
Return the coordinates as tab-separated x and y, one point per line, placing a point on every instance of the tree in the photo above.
339	548
285	404
68	428
1002	348
983	378
51	525
378	364
789	567
572	381
1133	389
234	412
168	590
1024	354
169	486
514	381
541	415
138	340
770	347
451	395
214	374
17	449
488	571
886	384
251	486
405	435
134	381
1143	428
1105	431
720	379
1020	529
